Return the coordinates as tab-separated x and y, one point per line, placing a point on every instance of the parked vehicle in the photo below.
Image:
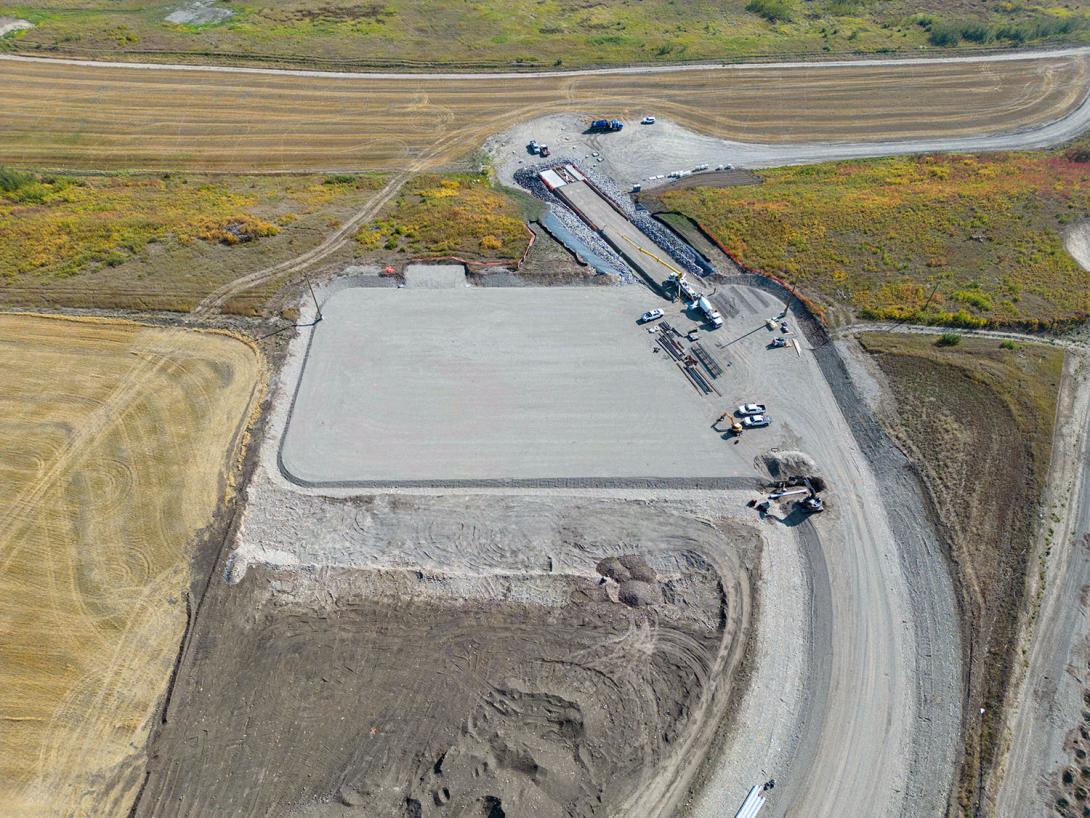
647	120
533	147
651	315
778	343
751	409
606	125
544	150
756	421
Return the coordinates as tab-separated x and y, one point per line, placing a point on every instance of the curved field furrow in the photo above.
105	498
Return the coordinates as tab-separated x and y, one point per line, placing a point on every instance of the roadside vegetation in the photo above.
977	417
156	242
457	216
532	33
968	241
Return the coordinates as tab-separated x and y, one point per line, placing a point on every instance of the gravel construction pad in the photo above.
404	385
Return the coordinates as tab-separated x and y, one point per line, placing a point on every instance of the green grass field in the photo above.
537	33
956	240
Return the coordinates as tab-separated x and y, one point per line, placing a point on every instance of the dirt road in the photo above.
1049	703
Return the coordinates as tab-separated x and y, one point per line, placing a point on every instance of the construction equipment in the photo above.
713	316
735	424
811	503
606	125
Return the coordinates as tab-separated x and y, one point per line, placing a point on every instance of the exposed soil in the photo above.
406	703
983	452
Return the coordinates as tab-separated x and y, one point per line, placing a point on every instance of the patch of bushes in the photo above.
964	241
437	216
949	34
948	339
12	180
775	11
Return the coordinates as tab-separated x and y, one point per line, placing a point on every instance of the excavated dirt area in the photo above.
572	656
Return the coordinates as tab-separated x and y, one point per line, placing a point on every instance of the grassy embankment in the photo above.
462	216
158	242
539	32
977	417
967	241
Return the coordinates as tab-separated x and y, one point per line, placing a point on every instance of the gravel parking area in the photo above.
504	383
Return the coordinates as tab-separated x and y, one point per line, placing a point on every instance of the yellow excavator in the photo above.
735	424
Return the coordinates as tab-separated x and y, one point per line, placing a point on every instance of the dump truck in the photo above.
705	306
606	125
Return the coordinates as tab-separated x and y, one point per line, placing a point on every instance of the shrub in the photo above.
945	35
772	10
1008	344
11	180
948	339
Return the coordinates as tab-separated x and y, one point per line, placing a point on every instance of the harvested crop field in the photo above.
978	420
116	440
571	658
105	116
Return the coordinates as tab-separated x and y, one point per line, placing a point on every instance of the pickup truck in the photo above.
751	409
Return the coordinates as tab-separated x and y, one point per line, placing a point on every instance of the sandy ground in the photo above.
11	24
641	154
534	685
199	13
161	117
114	444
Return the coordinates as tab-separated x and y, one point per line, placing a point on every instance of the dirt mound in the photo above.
638	584
783	465
1077	242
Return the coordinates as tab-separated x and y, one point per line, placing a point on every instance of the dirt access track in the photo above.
103	116
115	440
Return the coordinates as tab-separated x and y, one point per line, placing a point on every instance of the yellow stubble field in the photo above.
116	445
